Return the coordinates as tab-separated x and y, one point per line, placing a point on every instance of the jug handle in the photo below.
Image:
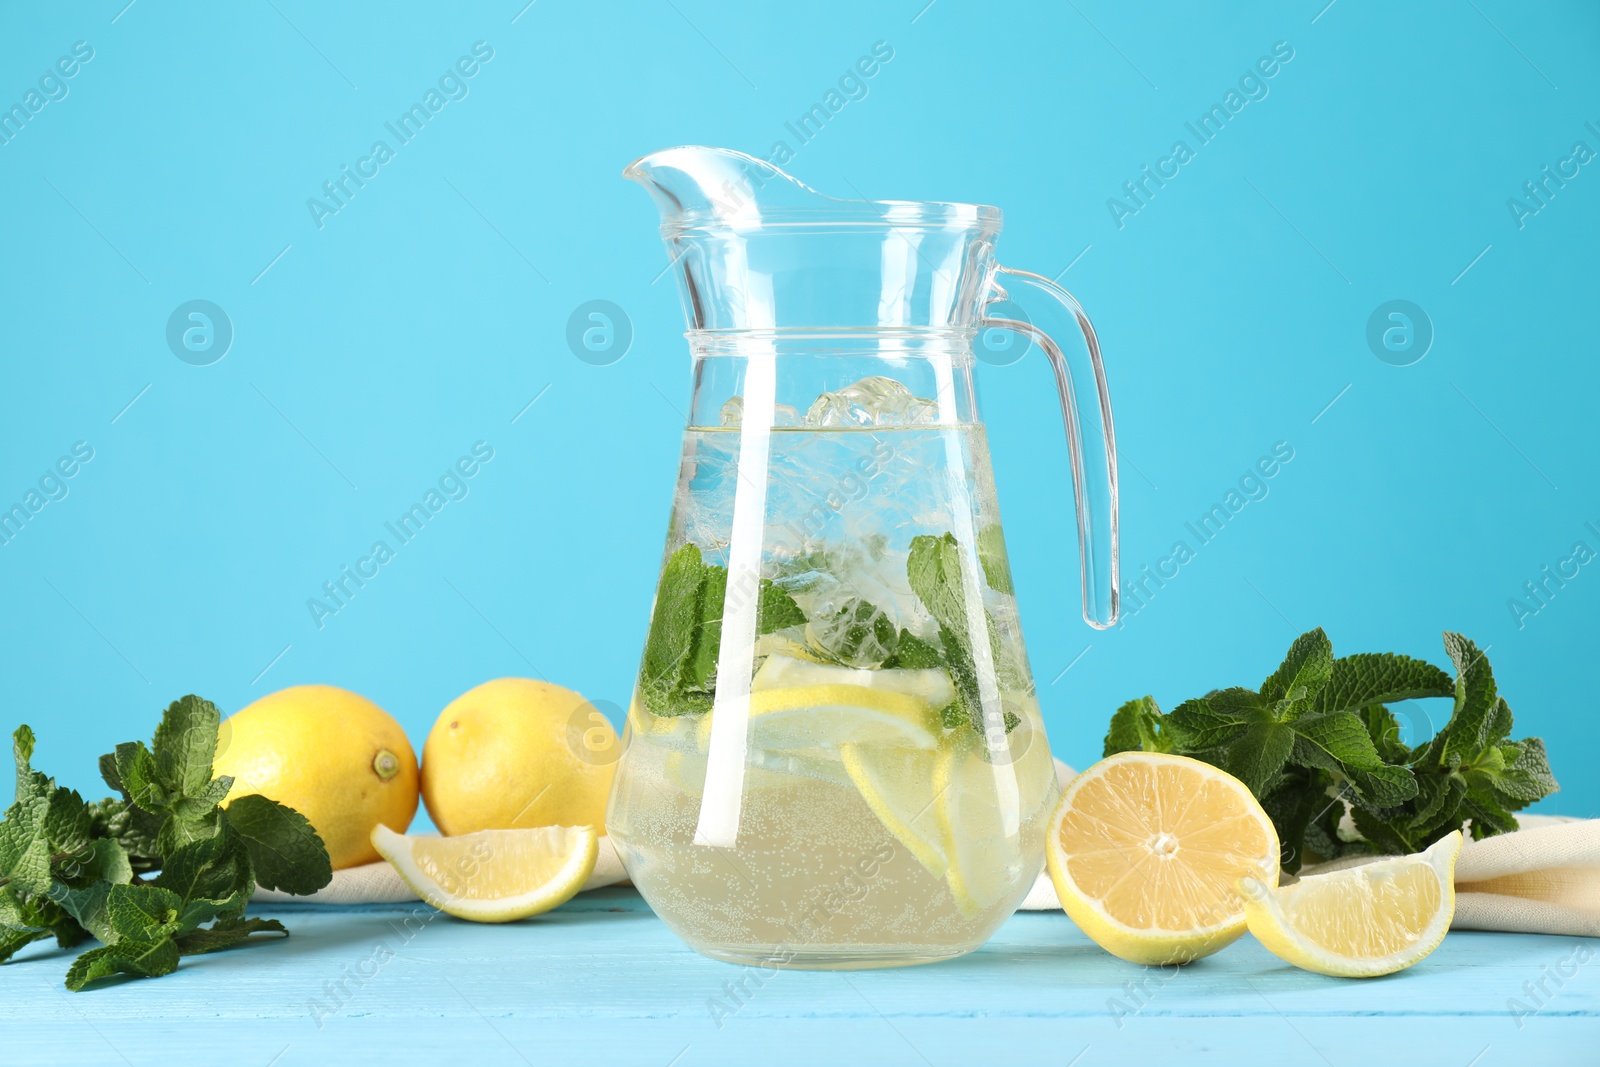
1093	454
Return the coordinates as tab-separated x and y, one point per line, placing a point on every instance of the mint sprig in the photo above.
933	569
72	870
1317	739
679	673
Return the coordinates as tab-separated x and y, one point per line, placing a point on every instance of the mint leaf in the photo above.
285	851
137	776
699	670
1384	730
185	744
1384	786
24	843
86	895
31	785
1137	726
213	878
22	922
24	849
994	560
215	868
673	623
143	912
967	709
1370	678
197	913
1385	835
1526	777
1258	757
934	572
132	828
141	959
679	673
1489	817
1301	677
225	934
65	824
778	611
1334	742
44	829
933	569
1465	735
1340	742
913	652
13	938
1216	719
186	827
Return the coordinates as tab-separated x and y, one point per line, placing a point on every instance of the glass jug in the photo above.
834	756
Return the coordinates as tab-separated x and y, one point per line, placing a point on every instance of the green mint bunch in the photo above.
1317	739
158	872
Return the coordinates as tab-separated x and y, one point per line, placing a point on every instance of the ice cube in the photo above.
875	401
732	414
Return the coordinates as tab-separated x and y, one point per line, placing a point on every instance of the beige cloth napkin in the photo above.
377	883
1543	878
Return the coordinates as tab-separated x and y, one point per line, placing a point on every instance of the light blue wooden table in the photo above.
601	980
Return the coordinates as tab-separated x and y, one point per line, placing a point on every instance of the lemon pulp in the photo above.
1146	851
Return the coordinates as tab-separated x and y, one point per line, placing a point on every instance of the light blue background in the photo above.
429	312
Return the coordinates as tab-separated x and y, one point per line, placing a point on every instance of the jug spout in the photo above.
691	183
753	248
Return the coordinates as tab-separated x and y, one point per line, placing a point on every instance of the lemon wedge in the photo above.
985	860
1363	921
929	684
1146	851
781	644
493	876
898	784
803	717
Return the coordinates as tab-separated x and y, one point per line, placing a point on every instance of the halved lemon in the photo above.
1363	921
1146	851
493	876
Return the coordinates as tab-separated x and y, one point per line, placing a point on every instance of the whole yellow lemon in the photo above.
333	756
515	753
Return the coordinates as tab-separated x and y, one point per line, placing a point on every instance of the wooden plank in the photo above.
603	971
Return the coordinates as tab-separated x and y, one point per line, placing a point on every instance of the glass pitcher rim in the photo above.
849	215
889	343
830	211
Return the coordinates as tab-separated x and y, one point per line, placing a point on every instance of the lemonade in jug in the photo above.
834	755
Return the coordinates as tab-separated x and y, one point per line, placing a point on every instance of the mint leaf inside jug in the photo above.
679	675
